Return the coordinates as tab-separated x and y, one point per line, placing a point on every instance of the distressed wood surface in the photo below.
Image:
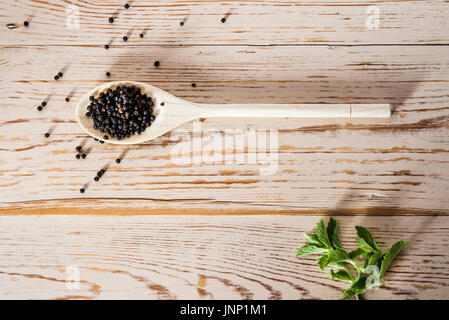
238	257
248	22
265	52
358	165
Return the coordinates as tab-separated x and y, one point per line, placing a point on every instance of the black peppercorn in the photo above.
60	74
101	141
78	148
156	63
125	38
82	190
44	103
26	23
67	99
39	108
111	20
117	160
121	112
141	35
223	20
108	74
106	46
126	6
56	77
91	98
77	156
95	139
181	23
96	178
47	135
83	156
194	85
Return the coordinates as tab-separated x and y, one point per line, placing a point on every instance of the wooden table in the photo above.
154	228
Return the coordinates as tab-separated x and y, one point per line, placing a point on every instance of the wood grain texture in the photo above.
248	22
360	166
240	257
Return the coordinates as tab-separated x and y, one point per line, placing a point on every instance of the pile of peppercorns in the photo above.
121	112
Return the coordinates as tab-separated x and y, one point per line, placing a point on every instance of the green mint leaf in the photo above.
358	253
390	255
372	259
322	263
349	293
331	227
359	286
364	234
341	275
363	245
322	234
337	255
313	239
333	234
310	249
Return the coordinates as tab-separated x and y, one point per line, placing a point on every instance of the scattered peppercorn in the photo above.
106	46
78	148
141	35
181	23
82	190
193	84
125	38
223	20
117	160
111	20
101	141
44	103
121	112
56	77
26	23
83	156
126	6
91	98
78	156
47	135
60	74
156	63
95	139
67	99
108	74
96	178
39	108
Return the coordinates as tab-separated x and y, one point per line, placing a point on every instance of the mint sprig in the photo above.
343	265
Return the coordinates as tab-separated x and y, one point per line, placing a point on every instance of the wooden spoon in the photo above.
171	111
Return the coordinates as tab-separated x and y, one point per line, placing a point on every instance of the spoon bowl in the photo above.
171	111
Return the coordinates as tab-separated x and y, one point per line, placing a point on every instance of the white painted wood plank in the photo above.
381	166
248	22
239	257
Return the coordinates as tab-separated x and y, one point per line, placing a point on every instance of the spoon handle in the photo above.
296	110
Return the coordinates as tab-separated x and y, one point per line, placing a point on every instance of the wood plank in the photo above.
239	257
248	22
363	166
